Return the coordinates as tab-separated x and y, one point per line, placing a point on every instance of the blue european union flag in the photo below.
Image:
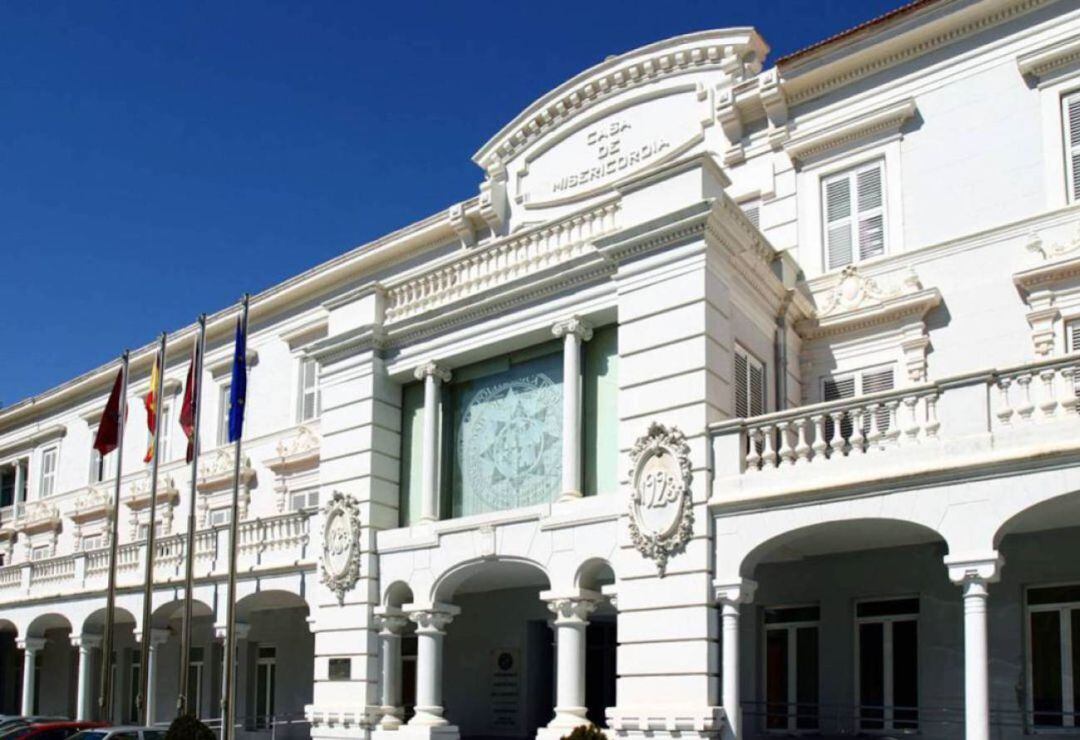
238	390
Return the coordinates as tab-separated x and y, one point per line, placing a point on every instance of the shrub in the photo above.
586	732
187	727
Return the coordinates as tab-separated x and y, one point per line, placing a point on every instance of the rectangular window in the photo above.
1070	111
853	385
749	384
93	542
224	393
7	486
888	664
791	668
220	517
101	468
265	676
41	552
752	209
195	682
1054	656
49	460
600	411
854	215
133	689
164	438
303	500
308	394
144	530
340	669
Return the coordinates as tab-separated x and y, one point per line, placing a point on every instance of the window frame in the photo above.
268	692
751	361
49	476
224	393
302	392
851	175
1070	712
791	628
1068	151
888	717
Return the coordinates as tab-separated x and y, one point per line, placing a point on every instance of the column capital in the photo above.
242	629
432	370
31	644
980	568
391	621
433	618
575	326
158	636
574	607
86	640
733	594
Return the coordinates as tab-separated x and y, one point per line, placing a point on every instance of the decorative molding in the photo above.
307	333
216	478
853	291
432	619
573	610
139	493
1039	62
92	505
881	121
299	452
223	365
432	370
575	326
37	516
983	568
340	562
661	511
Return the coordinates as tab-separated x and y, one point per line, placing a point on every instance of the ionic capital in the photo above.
572	608
221	631
86	641
432	620
391	622
575	326
734	594
30	644
432	370
979	569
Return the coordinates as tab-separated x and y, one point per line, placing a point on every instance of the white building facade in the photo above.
740	401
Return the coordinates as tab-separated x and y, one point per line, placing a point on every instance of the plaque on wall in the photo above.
505	689
661	514
341	544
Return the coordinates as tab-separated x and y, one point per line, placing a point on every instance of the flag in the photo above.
238	390
150	401
108	431
191	399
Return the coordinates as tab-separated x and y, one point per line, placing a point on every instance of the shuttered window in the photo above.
1072	336
1071	120
854	215
752	209
749	384
860	383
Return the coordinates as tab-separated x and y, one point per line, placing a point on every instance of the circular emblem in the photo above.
341	544
506	661
661	518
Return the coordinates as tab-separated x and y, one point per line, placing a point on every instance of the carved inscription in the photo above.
613	146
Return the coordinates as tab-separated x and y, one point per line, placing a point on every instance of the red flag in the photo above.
108	431
191	398
150	401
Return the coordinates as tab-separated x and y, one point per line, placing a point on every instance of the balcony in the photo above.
263	543
979	420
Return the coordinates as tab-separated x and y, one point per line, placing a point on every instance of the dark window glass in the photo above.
340	669
1076	665
871	675
792	614
806	679
1046	668
776	679
905	675
1054	595
889	608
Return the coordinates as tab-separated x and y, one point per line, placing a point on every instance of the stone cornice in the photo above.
884	120
904	306
736	51
299	452
348	343
1043	275
1050	57
223	365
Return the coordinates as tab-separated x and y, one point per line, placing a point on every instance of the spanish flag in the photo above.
150	401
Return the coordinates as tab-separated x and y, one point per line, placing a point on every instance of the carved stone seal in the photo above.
661	515
341	544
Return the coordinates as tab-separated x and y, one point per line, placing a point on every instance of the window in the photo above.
144	530
7	486
749	384
195	682
219	517
93	542
1070	111
1054	656
854	215
224	393
101	468
164	437
265	675
41	552
133	689
851	385
307	407
752	209
340	669
888	664
304	500
49	458
791	668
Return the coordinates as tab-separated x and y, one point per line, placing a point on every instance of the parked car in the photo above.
49	730
10	724
121	733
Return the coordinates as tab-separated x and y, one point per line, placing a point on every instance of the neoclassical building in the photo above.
740	400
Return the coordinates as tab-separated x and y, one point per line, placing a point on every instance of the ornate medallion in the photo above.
341	544
661	515
510	444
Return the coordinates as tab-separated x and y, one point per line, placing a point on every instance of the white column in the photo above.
571	618
220	630
30	647
157	638
973	575
391	623
433	377
574	331
85	701
731	597
430	623
17	496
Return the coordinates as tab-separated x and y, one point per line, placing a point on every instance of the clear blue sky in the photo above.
159	159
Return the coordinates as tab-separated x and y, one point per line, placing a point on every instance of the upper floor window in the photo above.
749	384
50	458
165	438
1053	615
1070	111
307	407
854	215
752	209
101	467
224	402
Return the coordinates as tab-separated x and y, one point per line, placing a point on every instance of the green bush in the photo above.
187	727
586	732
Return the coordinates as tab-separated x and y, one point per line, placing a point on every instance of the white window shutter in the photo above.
757	389
1071	112
742	405
871	214
875	381
753	213
1072	336
838	209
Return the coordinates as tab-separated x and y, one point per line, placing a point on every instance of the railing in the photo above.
10	577
994	412
53	569
277	533
501	262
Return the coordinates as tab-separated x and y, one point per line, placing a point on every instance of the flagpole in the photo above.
228	728
105	698
183	701
151	539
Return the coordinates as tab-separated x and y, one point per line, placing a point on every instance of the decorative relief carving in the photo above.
661	515
855	291
341	544
1054	251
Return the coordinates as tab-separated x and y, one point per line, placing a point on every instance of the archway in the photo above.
50	667
124	670
851	609
601	640
10	668
165	635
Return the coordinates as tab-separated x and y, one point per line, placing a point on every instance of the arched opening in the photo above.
50	663
10	668
277	665
165	634
124	661
601	641
851	609
1038	603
